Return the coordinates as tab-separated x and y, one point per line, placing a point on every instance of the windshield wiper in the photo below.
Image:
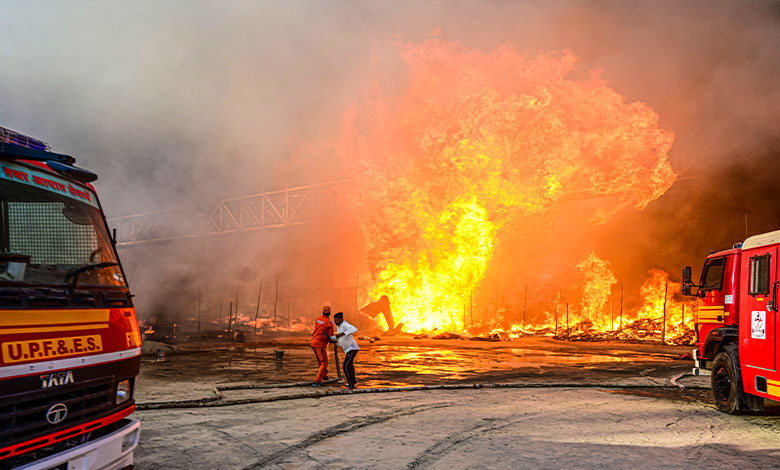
90	267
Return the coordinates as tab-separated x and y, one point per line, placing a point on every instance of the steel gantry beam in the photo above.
287	207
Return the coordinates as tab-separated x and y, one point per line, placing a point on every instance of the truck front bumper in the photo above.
110	452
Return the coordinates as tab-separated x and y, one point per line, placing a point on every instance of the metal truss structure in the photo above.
275	209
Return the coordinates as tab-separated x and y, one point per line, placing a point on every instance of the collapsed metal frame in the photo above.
273	209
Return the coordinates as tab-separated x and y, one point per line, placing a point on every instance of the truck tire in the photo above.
727	382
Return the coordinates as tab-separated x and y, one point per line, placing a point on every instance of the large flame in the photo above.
475	140
597	291
662	316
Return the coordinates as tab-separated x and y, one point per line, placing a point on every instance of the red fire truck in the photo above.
69	340
736	325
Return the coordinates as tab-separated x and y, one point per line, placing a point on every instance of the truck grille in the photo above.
23	415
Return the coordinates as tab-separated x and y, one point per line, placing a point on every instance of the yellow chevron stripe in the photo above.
714	307
773	382
49	329
710	321
52	317
773	390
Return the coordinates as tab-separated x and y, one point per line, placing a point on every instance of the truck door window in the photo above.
712	277
759	275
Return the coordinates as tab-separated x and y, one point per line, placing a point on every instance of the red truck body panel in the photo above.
757	328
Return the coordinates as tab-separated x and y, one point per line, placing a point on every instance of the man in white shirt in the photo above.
344	332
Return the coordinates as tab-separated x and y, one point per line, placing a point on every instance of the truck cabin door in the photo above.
758	336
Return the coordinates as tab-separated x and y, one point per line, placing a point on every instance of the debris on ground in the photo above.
370	339
447	335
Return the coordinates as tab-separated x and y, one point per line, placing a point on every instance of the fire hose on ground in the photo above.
219	400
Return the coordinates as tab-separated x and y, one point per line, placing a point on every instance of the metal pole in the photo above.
525	302
568	332
336	355
276	301
235	320
621	306
257	309
230	315
555	306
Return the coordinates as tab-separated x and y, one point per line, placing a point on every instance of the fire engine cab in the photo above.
69	340
736	323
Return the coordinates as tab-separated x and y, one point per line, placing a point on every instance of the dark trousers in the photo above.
349	367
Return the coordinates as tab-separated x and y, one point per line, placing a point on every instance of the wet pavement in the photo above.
589	405
396	362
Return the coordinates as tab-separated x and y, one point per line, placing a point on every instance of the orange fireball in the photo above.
474	140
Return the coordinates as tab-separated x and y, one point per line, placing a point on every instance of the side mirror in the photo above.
686	281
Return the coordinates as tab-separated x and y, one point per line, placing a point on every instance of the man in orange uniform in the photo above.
320	338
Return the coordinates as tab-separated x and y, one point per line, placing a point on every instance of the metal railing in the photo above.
274	209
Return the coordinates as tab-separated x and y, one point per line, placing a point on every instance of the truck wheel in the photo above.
727	383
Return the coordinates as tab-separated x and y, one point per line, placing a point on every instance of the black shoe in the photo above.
316	384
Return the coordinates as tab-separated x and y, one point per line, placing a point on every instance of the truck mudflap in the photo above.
110	452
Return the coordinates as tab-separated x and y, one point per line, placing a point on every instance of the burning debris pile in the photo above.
660	318
476	141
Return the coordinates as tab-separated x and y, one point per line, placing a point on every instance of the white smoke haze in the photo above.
179	104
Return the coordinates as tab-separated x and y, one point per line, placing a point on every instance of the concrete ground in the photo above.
607	423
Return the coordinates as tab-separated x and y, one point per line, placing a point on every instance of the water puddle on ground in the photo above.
388	364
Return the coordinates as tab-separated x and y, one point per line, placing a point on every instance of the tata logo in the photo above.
56	413
56	379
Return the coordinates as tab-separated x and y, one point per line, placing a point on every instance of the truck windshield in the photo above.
712	276
46	237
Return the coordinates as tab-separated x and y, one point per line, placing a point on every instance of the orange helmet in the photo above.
326	309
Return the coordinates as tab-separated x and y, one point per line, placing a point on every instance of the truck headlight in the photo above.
123	391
